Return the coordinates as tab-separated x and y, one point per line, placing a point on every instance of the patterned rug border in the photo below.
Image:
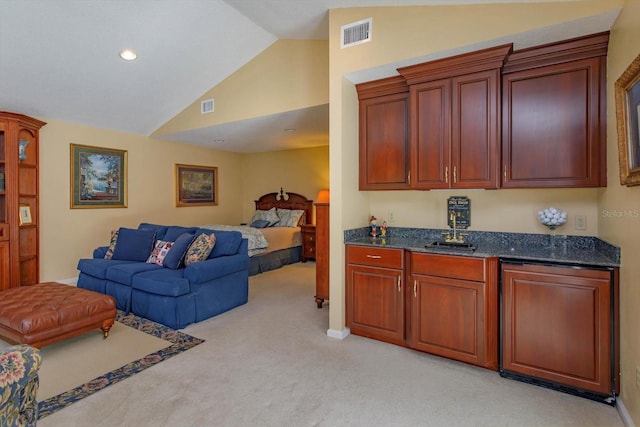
180	342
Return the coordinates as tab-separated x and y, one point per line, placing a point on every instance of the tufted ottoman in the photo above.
49	312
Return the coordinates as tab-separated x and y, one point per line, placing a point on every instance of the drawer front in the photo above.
379	257
309	238
455	267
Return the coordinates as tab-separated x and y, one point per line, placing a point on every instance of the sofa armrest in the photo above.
211	269
100	252
18	405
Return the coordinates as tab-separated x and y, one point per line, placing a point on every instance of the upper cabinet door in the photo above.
475	134
430	134
554	115
384	137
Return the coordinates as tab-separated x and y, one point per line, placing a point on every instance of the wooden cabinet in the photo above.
19	236
554	115
454	120
384	135
322	252
559	326
308	232
375	293
454	307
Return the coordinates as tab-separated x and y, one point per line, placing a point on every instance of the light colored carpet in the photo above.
270	363
75	361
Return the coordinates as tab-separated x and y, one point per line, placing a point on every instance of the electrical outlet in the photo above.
391	216
581	222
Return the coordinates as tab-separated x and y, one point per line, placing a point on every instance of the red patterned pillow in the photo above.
159	252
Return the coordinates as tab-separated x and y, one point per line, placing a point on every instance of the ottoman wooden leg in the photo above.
106	326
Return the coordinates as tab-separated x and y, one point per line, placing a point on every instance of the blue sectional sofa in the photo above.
174	295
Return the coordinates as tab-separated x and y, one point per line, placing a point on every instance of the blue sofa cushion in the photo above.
227	242
98	267
161	230
162	282
175	257
174	231
123	273
134	245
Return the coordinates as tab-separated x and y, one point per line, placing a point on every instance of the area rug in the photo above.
168	341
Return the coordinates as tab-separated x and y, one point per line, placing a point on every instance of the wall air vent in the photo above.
355	33
206	106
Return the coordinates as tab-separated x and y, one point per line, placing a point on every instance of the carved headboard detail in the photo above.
290	201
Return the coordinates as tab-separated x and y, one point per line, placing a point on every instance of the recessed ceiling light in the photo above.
289	130
218	141
128	55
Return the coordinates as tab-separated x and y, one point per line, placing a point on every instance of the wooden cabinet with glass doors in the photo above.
19	203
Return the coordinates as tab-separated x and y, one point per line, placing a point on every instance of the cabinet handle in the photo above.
415	289
446	174
505	172
399	278
455	174
374	256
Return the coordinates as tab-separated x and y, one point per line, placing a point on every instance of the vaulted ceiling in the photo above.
59	59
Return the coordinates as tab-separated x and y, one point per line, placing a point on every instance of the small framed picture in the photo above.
196	185
25	215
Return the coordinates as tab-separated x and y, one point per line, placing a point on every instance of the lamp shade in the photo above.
323	196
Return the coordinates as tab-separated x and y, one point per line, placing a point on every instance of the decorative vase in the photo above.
22	147
552	218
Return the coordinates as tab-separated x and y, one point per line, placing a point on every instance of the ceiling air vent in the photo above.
355	33
206	106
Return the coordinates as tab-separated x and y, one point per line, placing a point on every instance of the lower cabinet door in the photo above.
375	303
557	325
449	318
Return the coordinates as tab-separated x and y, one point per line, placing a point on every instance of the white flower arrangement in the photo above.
552	217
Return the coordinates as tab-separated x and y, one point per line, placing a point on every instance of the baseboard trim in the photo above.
73	281
334	333
624	414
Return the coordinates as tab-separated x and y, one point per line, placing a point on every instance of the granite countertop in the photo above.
579	250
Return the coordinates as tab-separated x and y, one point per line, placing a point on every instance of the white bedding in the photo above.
262	240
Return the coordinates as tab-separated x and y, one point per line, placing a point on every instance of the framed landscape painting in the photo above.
196	185
98	177
627	92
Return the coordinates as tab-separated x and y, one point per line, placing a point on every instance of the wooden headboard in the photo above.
292	201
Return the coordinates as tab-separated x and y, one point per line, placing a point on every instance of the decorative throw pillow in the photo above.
200	248
159	252
289	217
260	223
112	244
175	231
269	215
175	257
134	245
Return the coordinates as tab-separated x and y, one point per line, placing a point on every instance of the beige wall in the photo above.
401	34
304	171
624	230
69	234
287	76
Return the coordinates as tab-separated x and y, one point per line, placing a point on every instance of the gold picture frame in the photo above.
25	215
627	93
196	185
98	177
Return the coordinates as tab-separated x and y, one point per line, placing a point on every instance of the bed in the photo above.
272	247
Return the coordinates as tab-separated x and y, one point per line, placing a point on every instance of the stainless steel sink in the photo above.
439	244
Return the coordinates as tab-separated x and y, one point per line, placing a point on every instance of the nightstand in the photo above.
308	242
